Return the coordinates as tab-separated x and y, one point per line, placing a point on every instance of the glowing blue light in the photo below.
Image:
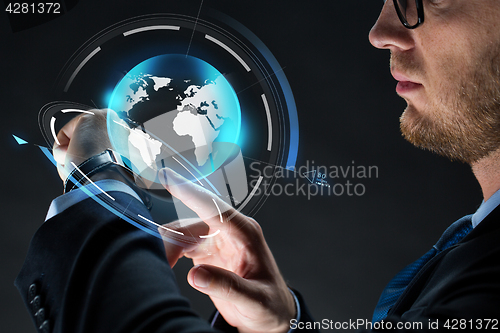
180	102
19	140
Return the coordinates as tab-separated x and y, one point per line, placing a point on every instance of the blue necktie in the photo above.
454	234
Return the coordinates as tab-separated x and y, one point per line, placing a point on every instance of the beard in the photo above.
463	121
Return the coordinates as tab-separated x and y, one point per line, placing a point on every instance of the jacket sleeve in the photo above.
87	270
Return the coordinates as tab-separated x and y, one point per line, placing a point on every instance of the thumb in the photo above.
222	284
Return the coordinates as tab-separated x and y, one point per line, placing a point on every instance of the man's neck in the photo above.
487	172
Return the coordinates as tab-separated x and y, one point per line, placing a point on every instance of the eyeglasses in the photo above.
410	12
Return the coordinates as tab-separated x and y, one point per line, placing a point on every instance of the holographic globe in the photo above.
174	111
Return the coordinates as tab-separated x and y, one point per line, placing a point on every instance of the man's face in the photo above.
449	74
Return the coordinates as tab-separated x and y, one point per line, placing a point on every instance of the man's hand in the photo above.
235	267
81	138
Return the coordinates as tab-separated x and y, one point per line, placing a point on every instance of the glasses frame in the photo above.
420	13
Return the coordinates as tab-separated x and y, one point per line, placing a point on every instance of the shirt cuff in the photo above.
63	202
297	307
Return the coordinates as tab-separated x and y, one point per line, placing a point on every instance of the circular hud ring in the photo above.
269	129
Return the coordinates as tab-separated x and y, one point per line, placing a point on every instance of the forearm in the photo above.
97	273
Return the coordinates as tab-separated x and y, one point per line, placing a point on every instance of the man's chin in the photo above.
411	123
426	134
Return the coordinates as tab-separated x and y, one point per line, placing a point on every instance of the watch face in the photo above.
205	98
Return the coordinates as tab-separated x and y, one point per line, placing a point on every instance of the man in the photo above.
446	56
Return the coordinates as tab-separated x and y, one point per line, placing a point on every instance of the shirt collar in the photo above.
486	207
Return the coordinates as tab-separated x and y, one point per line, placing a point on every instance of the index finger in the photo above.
209	207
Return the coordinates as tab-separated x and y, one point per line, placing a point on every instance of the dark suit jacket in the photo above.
462	282
90	271
458	290
87	270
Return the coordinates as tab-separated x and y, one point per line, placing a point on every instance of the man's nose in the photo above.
389	33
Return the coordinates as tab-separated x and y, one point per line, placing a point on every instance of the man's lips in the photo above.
405	85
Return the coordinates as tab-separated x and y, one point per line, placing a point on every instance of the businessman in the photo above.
87	271
445	55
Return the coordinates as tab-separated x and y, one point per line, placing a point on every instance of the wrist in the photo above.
106	165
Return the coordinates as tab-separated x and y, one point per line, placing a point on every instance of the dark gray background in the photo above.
338	251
